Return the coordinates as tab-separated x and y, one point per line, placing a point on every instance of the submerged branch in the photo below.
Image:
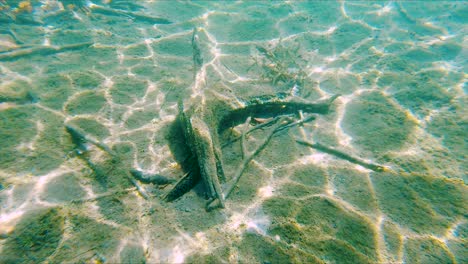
250	156
134	16
41	50
342	155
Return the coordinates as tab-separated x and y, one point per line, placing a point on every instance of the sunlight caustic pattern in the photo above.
117	71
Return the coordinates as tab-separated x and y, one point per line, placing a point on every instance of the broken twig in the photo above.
342	155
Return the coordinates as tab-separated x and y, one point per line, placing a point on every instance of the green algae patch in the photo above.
218	255
281	207
365	65
393	240
44	161
124	151
270	156
248	185
179	46
175	89
295	190
322	44
426	251
339	83
19	92
376	124
399	79
353	187
450	127
420	56
115	209
447	51
421	203
109	173
91	127
337	251
349	34
448	198
331	220
193	217
141	140
86	103
17	126
240	64
141	118
310	175
103	58
423	95
394	63
295	24
257	248
148	71
235	28
462	231
30	140
236	50
127	89
69	37
54	90
183	11
287	231
134	254
459	249
64	188
88	239
321	13
86	79
49	152
137	51
35	237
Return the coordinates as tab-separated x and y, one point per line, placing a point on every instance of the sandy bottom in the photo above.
117	70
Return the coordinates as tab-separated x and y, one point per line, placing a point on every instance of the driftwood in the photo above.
41	50
204	118
82	141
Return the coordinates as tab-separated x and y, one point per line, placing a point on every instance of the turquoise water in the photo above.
383	179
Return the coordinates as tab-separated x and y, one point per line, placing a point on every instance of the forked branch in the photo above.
285	122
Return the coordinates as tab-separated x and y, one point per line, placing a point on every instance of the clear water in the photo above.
116	71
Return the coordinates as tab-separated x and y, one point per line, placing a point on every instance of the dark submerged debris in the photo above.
41	50
201	147
282	65
191	178
80	140
274	107
184	185
202	121
150	178
102	172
